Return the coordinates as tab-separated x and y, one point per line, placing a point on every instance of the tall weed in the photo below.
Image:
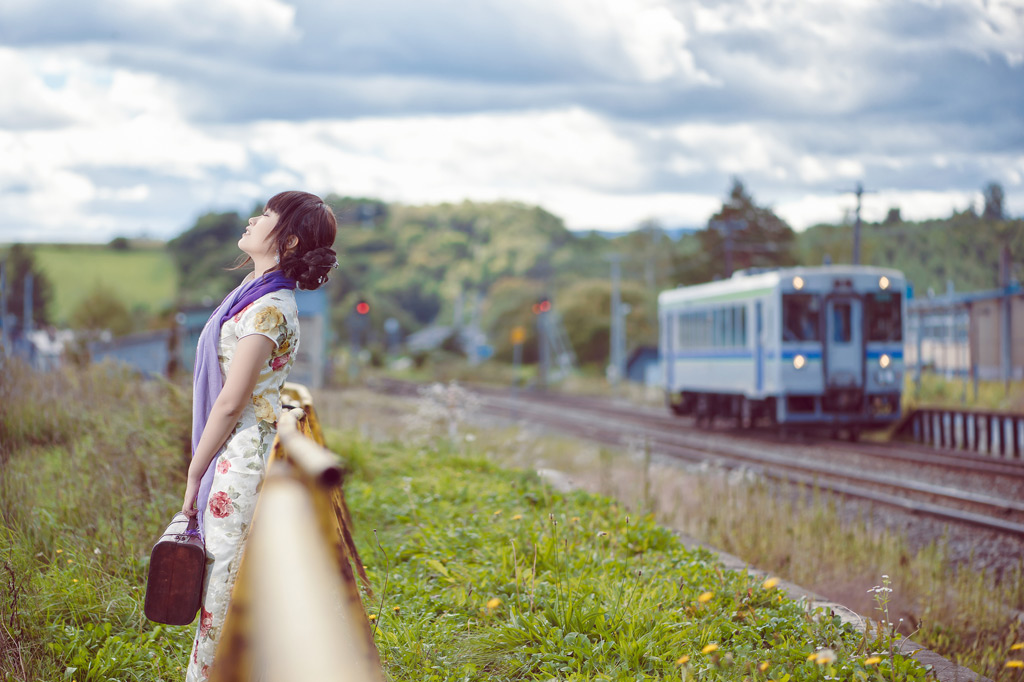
94	462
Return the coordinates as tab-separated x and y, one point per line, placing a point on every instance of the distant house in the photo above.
149	353
644	366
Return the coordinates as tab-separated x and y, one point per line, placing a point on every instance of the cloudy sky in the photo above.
129	117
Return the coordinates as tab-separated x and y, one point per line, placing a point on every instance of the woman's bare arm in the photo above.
251	356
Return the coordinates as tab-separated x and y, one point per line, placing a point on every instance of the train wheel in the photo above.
745	419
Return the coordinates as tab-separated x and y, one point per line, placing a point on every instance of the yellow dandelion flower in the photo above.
705	597
873	660
60	551
494	603
497	513
709	648
517	517
574	519
770	583
372	617
812	657
1017	647
763	666
74	580
825	656
396	609
682	660
70	561
1015	664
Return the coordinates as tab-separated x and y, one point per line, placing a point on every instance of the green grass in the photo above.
937	390
144	279
485	572
91	466
491	572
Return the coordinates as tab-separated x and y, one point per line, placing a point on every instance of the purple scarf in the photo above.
207	381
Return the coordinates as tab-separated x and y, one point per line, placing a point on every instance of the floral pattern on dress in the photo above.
241	463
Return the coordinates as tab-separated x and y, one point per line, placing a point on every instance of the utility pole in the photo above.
26	319
617	362
859	192
1005	333
5	338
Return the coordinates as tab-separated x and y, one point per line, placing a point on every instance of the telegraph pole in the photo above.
859	192
616	365
5	337
26	319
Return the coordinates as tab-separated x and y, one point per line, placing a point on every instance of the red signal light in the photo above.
362	308
545	306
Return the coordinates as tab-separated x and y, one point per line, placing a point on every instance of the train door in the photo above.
844	346
758	349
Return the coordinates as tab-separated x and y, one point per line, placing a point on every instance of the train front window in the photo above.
884	317
800	317
841	314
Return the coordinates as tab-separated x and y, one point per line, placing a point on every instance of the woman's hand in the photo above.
188	506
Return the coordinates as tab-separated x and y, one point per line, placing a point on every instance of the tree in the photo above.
20	262
102	309
743	235
204	252
893	217
994	196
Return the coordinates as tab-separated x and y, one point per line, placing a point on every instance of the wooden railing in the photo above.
296	612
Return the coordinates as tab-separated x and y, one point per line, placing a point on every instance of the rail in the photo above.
985	432
296	612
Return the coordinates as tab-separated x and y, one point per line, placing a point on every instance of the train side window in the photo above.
727	327
800	317
884	317
741	317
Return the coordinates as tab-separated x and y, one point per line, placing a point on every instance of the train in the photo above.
801	348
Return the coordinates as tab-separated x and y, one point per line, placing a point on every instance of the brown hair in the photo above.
306	217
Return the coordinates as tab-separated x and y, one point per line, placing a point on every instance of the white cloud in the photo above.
605	111
802	212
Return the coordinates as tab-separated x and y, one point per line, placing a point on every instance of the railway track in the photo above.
895	476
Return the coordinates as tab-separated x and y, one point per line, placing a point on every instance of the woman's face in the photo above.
256	241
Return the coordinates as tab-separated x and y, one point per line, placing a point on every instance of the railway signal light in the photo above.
362	308
542	306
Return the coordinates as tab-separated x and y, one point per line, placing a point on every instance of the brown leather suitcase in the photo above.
174	589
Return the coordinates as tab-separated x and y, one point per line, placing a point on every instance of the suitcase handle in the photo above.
192	530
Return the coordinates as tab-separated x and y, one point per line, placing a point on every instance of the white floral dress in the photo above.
242	463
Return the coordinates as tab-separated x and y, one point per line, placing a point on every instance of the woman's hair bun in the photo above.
310	269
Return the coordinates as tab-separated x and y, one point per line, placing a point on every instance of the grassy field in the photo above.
966	615
144	279
489	572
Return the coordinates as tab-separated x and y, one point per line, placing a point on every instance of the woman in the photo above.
245	353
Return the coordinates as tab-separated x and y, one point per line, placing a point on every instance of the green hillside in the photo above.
146	280
416	263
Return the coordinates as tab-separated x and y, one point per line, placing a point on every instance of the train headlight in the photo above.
884	361
883	282
798	282
799	361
